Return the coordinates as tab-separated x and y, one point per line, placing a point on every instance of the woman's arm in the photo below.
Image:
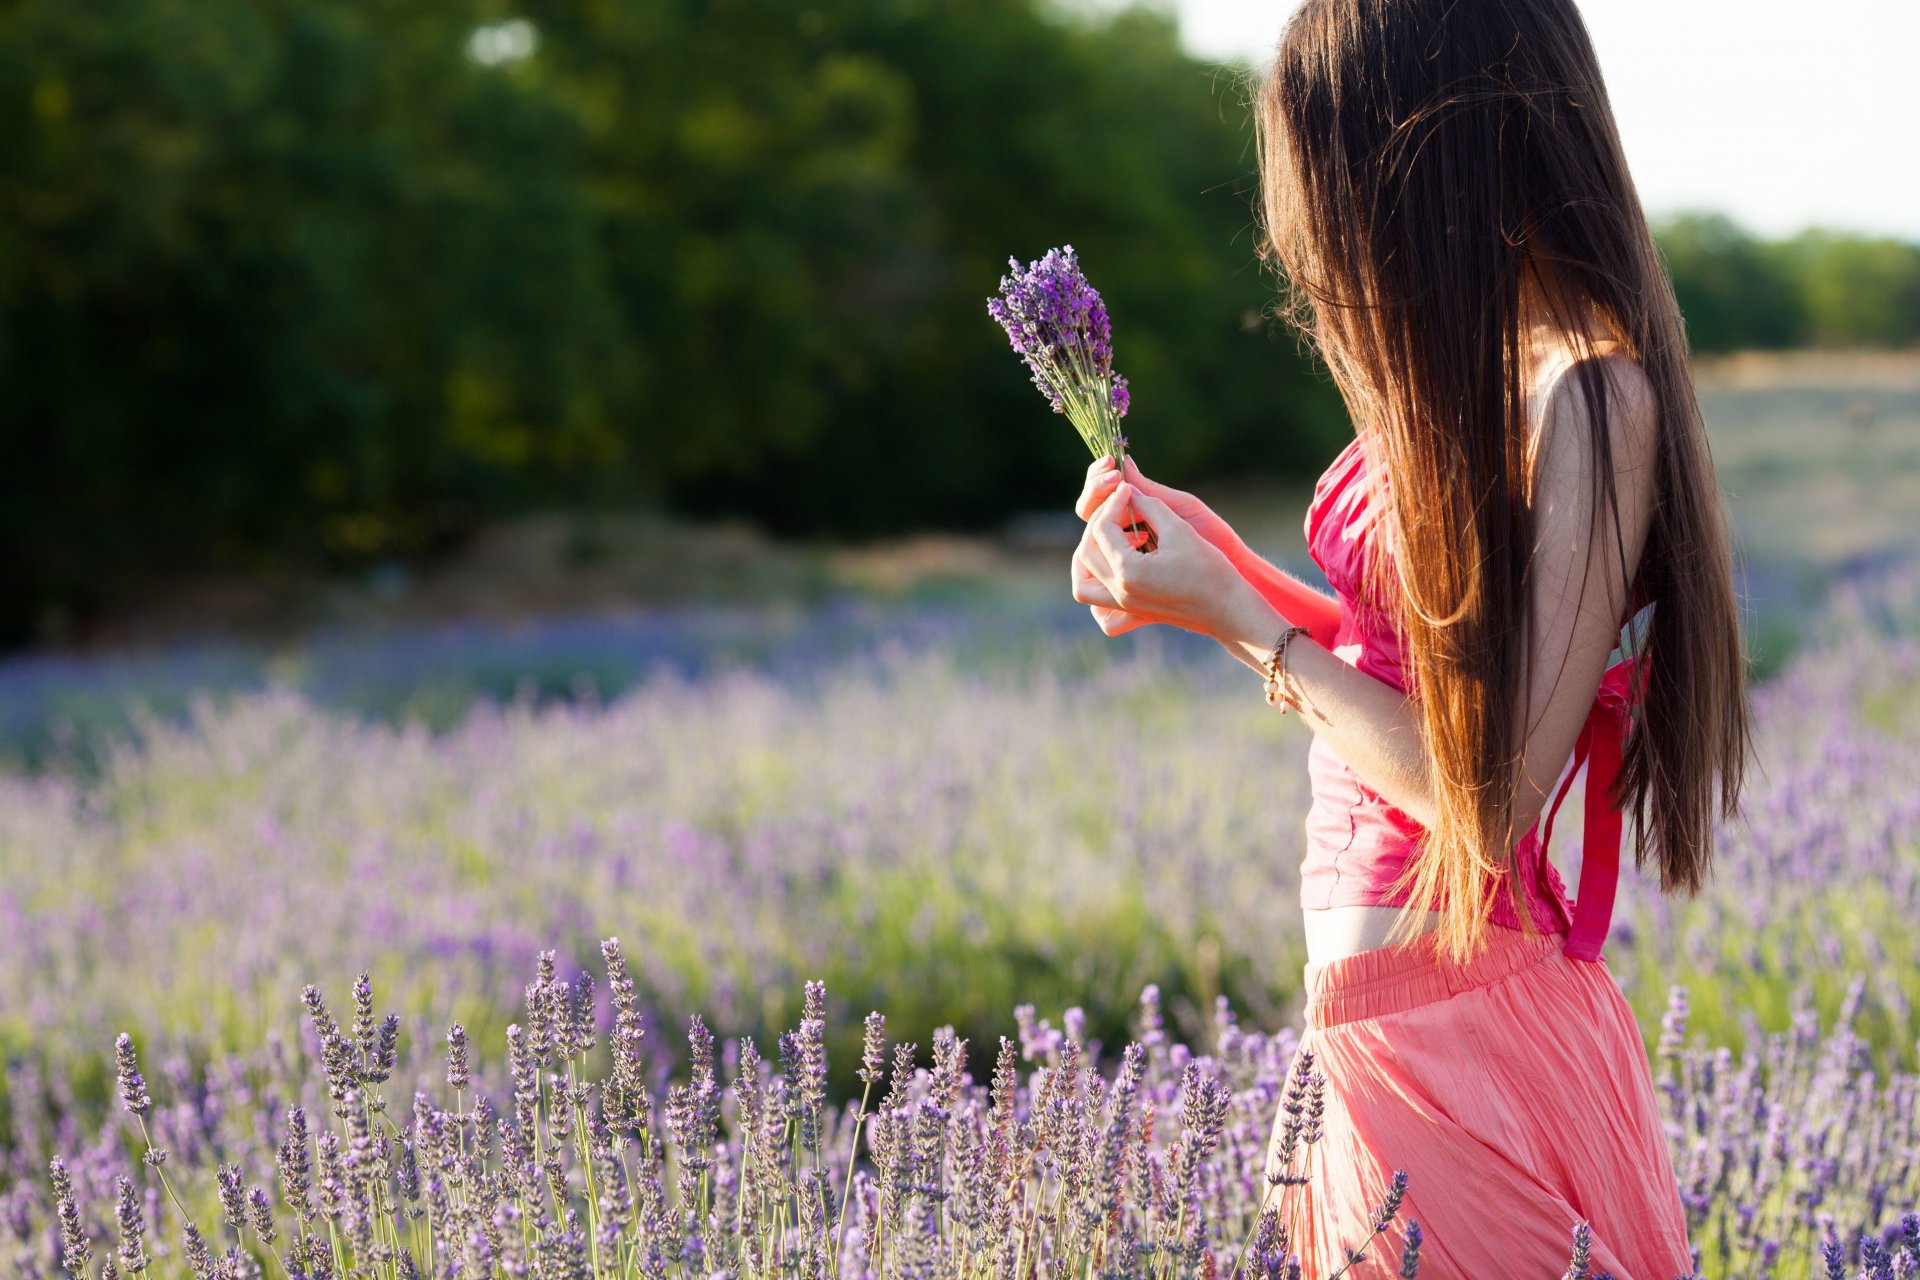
1291	598
1577	596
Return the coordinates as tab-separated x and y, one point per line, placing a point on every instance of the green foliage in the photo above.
308	284
313	283
1821	288
1730	289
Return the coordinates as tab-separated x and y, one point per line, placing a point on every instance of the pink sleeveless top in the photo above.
1357	841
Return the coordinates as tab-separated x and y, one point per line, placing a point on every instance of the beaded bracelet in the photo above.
1276	665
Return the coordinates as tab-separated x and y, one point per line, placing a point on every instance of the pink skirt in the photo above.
1515	1092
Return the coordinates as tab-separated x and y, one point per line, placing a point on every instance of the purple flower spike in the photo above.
1058	324
133	1087
1410	1254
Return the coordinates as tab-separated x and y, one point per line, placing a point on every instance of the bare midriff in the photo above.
1333	932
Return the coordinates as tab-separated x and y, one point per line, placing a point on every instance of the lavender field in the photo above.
939	841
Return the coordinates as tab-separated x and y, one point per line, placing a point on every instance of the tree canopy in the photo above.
312	283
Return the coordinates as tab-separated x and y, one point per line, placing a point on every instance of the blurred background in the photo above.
317	313
483	476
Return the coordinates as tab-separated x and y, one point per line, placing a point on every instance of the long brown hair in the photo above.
1425	166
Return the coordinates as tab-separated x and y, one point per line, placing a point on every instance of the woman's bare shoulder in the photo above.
1565	423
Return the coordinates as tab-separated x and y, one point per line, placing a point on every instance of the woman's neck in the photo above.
1546	335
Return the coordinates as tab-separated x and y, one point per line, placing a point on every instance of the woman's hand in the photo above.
1186	580
1102	475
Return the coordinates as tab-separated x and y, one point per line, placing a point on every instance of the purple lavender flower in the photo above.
260	1214
75	1252
133	1087
296	1166
459	1075
133	1228
363	1015
1390	1207
1580	1266
1057	323
199	1257
1410	1253
386	1049
873	1050
1875	1262
233	1199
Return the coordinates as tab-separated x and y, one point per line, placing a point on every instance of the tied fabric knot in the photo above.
1600	747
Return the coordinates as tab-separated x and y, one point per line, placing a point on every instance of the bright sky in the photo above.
1781	115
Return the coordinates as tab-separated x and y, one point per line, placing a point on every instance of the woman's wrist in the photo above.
1249	628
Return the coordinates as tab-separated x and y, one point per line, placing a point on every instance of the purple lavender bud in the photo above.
133	1229
1875	1262
323	1022
1410	1253
386	1049
458	1073
1057	323
1580	1266
873	1051
75	1251
330	1178
260	1213
583	1028
625	1092
1390	1207
407	1173
337	1058
296	1168
133	1087
546	1030
538	1033
1316	1108
1834	1257
233	1199
363	1015
1122	398
199	1257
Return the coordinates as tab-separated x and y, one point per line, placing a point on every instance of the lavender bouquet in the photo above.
1057	323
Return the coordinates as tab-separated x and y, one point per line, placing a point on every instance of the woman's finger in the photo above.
1104	527
1117	622
1159	515
1095	491
1088	587
1093	560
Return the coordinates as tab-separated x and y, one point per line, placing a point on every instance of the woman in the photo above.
1444	192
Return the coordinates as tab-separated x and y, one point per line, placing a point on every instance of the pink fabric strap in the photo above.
1601	744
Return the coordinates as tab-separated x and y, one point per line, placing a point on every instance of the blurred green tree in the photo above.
1855	291
312	283
278	279
1733	293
